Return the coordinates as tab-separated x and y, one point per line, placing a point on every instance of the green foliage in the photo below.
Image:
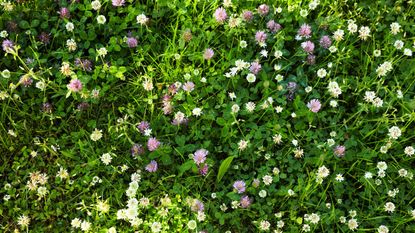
126	124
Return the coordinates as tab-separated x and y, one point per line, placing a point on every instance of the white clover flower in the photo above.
352	27
232	95
142	19
106	158
96	135
235	108
313	4
395	28
398	44
250	78
364	32
250	106
264	53
242	145
333	49
382	166
264	225
381	173
383	229
277	138
278	109
101	19
102	52
76	223
96	5
314	218
4	34
306	228
279	78
339	178
5	73
294	142
192	224
377	102
389	207
407	52
395	132
323	172
155	227
85	226
197	112
69	26
148	85
338	35
409	151
71	44
352	224
243	44
334	89
267	179
223	207
368	175
321	73
42	191
41	85
298	152
278	54
23	221
369	96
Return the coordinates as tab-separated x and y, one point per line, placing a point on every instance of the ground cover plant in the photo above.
207	116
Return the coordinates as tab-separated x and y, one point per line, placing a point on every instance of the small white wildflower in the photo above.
96	5
197	112
409	151
101	19
69	26
106	158
395	28
102	52
321	73
142	19
96	135
389	207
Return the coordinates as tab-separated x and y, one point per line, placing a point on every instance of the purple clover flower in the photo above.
325	42
305	31
152	166
314	105
220	15
200	156
143	126
153	144
132	42
339	151
239	186
263	9
308	46
245	201
255	67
